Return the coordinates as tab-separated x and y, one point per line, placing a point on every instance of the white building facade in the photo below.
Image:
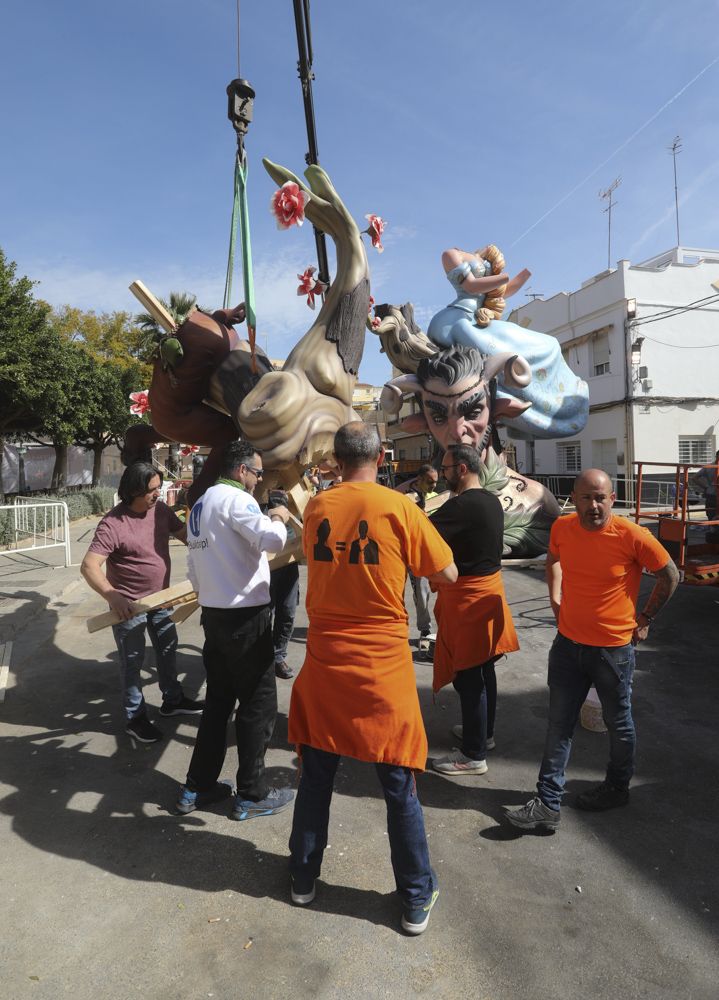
645	337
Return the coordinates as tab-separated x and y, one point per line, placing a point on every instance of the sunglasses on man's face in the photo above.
259	473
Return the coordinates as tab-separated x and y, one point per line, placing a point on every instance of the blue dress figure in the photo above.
559	398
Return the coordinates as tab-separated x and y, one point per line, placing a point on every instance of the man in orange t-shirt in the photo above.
594	566
356	694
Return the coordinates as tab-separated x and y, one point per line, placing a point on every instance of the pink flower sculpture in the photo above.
288	205
189	449
376	321
375	229
140	402
310	286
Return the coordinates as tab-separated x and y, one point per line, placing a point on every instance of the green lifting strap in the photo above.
241	219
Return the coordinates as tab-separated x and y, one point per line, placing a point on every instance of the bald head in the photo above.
593	497
357	444
596	478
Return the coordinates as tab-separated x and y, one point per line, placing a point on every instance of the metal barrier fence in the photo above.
38	525
657	494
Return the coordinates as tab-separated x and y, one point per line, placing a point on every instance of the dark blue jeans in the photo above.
405	825
130	639
573	668
477	690
284	598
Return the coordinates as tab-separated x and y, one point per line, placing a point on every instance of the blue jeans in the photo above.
573	668
130	639
405	825
284	598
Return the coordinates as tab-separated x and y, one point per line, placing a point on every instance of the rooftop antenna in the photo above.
676	147
608	196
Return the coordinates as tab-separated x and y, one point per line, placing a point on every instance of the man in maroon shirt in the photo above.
133	542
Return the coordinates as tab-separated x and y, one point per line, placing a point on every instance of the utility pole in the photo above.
304	70
676	147
608	196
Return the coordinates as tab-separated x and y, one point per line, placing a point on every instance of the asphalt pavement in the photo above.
107	893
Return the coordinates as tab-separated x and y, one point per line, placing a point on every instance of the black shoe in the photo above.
604	796
142	730
185	706
302	893
188	800
283	670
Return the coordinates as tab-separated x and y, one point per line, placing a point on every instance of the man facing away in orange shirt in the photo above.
594	566
356	694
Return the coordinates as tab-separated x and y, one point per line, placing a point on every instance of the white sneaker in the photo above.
459	730
457	763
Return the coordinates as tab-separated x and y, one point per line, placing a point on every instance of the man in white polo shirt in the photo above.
228	538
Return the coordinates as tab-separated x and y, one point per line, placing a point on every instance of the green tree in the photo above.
108	415
28	385
179	307
116	336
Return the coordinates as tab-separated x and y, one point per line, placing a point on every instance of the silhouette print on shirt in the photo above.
322	551
364	547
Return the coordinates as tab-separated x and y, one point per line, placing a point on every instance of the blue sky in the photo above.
461	123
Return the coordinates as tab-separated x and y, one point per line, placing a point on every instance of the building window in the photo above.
569	456
402	453
600	355
696	450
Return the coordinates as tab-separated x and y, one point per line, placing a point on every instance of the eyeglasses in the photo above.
257	472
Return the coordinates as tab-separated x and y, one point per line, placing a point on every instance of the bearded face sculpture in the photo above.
456	391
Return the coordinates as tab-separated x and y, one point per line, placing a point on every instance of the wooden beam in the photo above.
182	613
153	306
178	594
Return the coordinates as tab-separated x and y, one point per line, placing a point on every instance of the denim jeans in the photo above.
130	639
284	598
413	873
421	594
477	690
238	659
573	668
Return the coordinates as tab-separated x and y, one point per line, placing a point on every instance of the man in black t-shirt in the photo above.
475	624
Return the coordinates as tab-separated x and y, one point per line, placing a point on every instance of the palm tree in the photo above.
179	307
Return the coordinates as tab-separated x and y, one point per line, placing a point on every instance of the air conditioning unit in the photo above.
643	372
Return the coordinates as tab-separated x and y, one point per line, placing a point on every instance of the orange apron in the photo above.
474	626
356	694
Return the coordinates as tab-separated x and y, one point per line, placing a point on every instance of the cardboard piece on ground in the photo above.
178	593
5	657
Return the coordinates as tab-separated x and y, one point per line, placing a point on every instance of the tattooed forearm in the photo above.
667	580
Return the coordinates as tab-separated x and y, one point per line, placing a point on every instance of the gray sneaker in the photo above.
277	799
535	815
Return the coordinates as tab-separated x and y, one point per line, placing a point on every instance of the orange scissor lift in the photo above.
698	562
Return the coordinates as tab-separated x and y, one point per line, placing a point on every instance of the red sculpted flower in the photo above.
189	449
375	321
375	229
288	205
140	402
310	286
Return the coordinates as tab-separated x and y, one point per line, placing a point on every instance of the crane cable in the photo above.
241	221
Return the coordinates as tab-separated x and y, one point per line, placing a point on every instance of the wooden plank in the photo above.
153	306
182	613
5	657
179	593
